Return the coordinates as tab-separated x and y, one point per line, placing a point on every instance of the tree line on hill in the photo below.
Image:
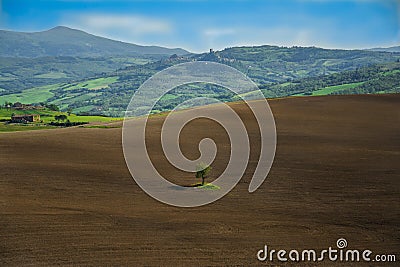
279	71
375	78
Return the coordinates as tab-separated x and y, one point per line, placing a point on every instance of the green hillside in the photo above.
63	41
270	64
17	74
106	85
333	89
373	79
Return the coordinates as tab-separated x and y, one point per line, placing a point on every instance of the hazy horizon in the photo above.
205	51
200	25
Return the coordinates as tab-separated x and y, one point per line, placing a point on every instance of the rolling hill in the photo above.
63	41
374	79
67	197
95	75
393	49
268	64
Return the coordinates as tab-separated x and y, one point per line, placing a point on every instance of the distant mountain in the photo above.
63	41
387	49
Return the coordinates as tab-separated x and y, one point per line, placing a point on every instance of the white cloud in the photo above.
123	27
213	36
132	23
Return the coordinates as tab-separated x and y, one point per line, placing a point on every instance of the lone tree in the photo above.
202	170
61	117
52	107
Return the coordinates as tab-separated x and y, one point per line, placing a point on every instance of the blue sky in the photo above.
198	25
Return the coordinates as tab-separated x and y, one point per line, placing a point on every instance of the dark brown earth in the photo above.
66	196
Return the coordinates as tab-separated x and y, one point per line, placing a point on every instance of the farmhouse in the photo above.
25	118
20	106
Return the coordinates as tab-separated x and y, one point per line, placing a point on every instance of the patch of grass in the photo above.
32	95
79	118
129	60
391	72
286	84
52	75
76	118
63	102
94	84
250	95
43	93
5	79
5	127
47	116
330	89
5	114
207	186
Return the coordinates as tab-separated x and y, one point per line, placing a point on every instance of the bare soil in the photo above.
67	197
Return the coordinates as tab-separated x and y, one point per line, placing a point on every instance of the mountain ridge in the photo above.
392	49
65	41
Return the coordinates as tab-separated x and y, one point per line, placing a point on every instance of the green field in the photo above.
32	95
52	75
5	114
391	72
75	118
44	93
330	89
323	91
93	84
46	116
109	95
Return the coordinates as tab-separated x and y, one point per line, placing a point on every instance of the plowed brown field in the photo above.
66	195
